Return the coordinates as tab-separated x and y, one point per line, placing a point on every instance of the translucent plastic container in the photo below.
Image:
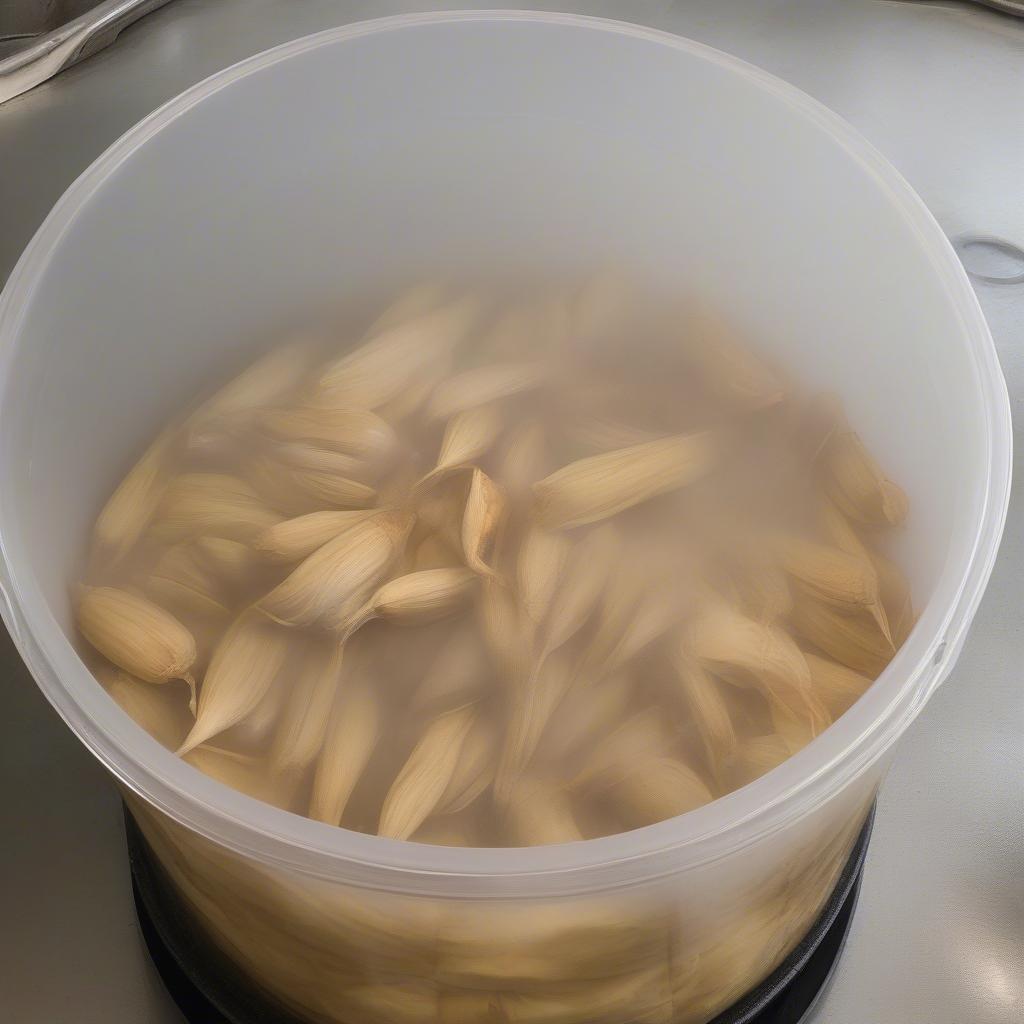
364	154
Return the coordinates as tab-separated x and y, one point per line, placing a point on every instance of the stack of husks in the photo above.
498	575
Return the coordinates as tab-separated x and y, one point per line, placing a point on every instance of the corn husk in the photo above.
135	500
728	369
274	482
708	711
445	830
475	769
835	576
757	755
534	698
468	436
330	489
252	735
540	567
180	580
456	676
243	668
403	407
641	736
233	564
538	813
249	775
747	652
266	382
357	433
211	504
161	710
601	434
894	591
483	385
136	634
352	734
295	539
838	686
852	640
601	486
416	598
585	717
856	483
501	625
319	590
483	514
300	733
301	456
525	459
395	357
655	789
426	775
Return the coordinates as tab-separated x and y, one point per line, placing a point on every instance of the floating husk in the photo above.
130	508
540	567
475	769
233	563
266	382
416	598
244	666
896	599
136	634
180	580
213	504
852	640
601	486
485	508
641	736
295	539
655	789
352	734
300	733
254	732
856	483
585	717
757	755
468	436
355	432
426	775
708	710
484	385
161	710
297	455
249	775
319	589
501	624
410	402
330	489
538	813
601	434
525	459
396	357
456	676
838	686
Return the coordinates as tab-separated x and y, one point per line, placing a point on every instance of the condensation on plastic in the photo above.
509	140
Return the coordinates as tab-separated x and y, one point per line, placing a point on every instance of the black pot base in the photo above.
209	989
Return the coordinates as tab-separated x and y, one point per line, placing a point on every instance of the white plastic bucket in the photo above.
505	139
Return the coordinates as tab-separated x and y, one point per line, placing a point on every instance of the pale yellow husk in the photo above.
474	772
234	564
180	580
525	459
161	710
539	813
356	432
248	774
468	436
483	385
416	598
857	484
295	539
481	519
213	504
852	640
539	569
457	675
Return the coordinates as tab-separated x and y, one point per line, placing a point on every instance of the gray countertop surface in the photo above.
939	934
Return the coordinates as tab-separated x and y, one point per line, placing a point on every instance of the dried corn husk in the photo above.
254	732
456	676
214	504
352	734
416	598
485	507
856	483
468	436
303	725
446	830
295	539
708	710
539	570
297	455
895	593
426	775
852	640
838	686
267	381
639	737
603	434
180	580
319	589
136	635
758	755
330	489
396	357
234	564
475	769
356	432
525	459
656	789
134	502
501	624
728	369
580	589
244	666
835	576
598	487
274	482
585	717
161	710
483	385
538	813
249	775
534	698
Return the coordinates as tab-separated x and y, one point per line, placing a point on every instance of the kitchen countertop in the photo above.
939	934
